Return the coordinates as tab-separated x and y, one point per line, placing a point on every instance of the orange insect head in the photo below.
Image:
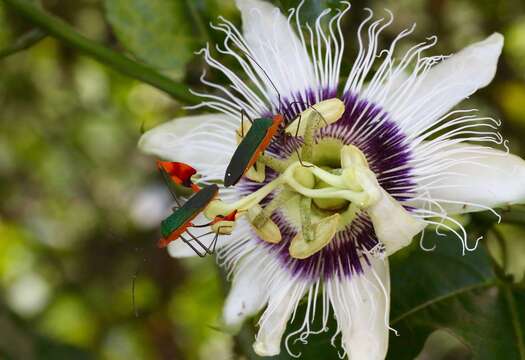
180	173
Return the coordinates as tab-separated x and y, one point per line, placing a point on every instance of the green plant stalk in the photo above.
62	31
23	42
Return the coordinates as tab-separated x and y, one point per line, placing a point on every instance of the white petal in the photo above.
285	292
248	293
492	179
205	142
361	306
453	80
276	48
393	225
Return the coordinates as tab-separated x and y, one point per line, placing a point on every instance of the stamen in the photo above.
268	230
313	122
305	206
331	110
220	208
323	233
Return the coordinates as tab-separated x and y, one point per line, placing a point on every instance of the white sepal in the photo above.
393	224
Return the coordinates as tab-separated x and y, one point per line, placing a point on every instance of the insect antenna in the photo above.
169	184
133	283
279	108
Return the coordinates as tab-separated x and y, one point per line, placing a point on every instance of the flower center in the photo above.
320	188
326	156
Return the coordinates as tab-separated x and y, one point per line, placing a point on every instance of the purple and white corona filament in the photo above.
395	161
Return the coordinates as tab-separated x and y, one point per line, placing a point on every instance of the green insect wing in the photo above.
244	152
189	210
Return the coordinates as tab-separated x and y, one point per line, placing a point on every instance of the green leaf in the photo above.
159	32
488	320
423	277
444	290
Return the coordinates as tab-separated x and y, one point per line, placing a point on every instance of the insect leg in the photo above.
297	150
320	115
243	114
187	242
300	160
213	244
298	126
202	225
196	239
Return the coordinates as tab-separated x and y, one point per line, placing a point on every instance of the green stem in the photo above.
23	42
64	32
275	164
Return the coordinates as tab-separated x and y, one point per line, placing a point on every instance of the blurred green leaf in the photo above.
158	32
5	29
444	290
47	349
20	342
70	320
506	243
13	38
310	10
515	46
23	42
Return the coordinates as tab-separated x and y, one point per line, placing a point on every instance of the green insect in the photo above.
252	145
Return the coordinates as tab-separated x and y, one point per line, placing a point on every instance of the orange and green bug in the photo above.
250	148
179	221
179	173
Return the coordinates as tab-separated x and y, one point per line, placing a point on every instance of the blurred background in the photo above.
80	206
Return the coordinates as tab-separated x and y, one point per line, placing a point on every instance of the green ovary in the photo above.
326	155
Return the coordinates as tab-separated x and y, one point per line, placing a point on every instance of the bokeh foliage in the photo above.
80	205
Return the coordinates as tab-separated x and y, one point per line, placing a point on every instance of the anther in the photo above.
323	233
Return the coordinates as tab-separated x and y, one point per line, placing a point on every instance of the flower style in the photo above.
395	159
